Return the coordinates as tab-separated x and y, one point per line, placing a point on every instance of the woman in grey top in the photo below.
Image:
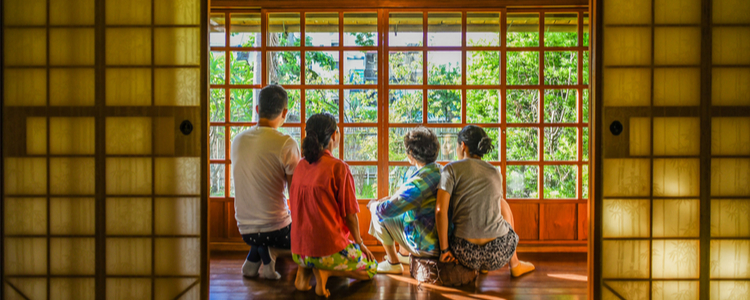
472	191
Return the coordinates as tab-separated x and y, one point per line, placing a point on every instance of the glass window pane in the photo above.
396	149
217	29
245	30
448	138
560	144
560	181
444	29
483	67
560	68
242	105
217	180
444	67
245	68
483	106
586	67
360	29
283	29
360	106
561	29
523	30
586	29
522	144
320	101
523	68
585	146
295	133
522	106
482	29
586	105
397	175
361	143
322	67
522	182
235	130
494	134
216	137
322	29
405	29
217	67
365	181
361	67
585	183
405	67
560	106
405	106
293	115
284	67
217	105
444	106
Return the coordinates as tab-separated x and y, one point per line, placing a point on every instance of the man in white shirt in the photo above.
263	160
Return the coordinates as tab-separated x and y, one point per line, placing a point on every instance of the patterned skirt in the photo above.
491	256
349	259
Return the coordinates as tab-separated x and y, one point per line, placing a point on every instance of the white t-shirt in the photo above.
261	159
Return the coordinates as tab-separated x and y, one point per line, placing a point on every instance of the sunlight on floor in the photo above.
573	277
448	292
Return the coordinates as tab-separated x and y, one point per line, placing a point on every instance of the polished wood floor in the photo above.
558	276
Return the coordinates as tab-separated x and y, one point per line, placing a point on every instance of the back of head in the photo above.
272	101
318	131
422	144
476	139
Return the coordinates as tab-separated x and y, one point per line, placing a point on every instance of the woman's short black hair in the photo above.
422	144
476	139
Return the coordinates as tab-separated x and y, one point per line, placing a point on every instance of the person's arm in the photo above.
441	220
404	200
349	207
289	183
290	156
352	221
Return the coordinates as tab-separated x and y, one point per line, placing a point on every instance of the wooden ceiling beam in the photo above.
344	4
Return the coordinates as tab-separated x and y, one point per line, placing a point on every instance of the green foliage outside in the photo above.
444	106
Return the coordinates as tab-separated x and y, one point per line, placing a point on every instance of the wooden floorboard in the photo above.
558	276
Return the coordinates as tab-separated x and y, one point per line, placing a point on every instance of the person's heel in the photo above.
523	267
269	271
250	269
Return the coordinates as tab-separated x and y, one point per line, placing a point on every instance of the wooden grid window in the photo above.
520	74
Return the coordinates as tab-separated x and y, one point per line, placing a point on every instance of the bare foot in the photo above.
321	276
302	282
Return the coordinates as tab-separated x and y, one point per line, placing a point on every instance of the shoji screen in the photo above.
675	179
730	150
102	180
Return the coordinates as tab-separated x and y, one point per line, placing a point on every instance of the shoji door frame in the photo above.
99	69
598	131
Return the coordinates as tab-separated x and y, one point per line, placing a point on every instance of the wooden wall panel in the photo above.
526	217
217	219
583	222
232	230
559	221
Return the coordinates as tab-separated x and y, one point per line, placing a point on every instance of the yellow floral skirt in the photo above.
349	259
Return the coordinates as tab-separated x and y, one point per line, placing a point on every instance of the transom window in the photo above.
520	74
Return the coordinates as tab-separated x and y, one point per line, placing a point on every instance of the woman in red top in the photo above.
324	209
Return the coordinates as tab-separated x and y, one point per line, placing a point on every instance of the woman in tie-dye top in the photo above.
408	216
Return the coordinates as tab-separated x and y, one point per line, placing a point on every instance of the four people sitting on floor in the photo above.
454	214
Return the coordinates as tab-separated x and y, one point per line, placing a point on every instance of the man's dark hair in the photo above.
273	100
422	144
